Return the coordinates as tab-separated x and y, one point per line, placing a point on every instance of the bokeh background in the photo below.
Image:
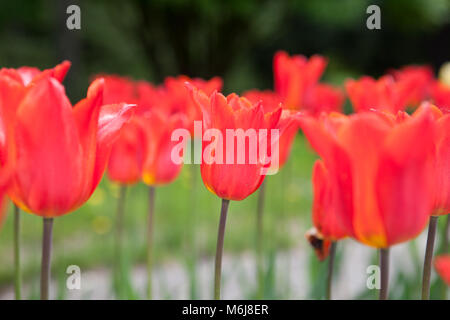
236	40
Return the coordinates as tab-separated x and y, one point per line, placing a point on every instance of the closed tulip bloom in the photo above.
14	85
442	265
233	181
381	172
61	150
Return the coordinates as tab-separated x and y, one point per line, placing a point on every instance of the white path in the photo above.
171	279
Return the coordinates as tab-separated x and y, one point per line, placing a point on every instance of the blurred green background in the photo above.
233	39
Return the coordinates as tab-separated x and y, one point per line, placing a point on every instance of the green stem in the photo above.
118	263
151	209
427	264
446	234
18	273
445	248
330	269
191	223
219	249
46	257
259	240
384	267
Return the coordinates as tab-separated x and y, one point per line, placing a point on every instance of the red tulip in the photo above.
158	167
295	76
380	172
442	265
416	81
383	94
13	85
229	179
61	151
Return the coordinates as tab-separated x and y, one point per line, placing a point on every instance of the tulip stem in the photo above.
151	209
384	266
259	239
18	273
427	264
446	234
46	257
191	223
330	269
219	249
445	249
118	239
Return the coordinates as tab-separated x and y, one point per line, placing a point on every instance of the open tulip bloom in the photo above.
227	169
60	151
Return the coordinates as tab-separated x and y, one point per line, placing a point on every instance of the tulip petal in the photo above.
110	121
362	139
443	166
49	163
325	217
405	178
